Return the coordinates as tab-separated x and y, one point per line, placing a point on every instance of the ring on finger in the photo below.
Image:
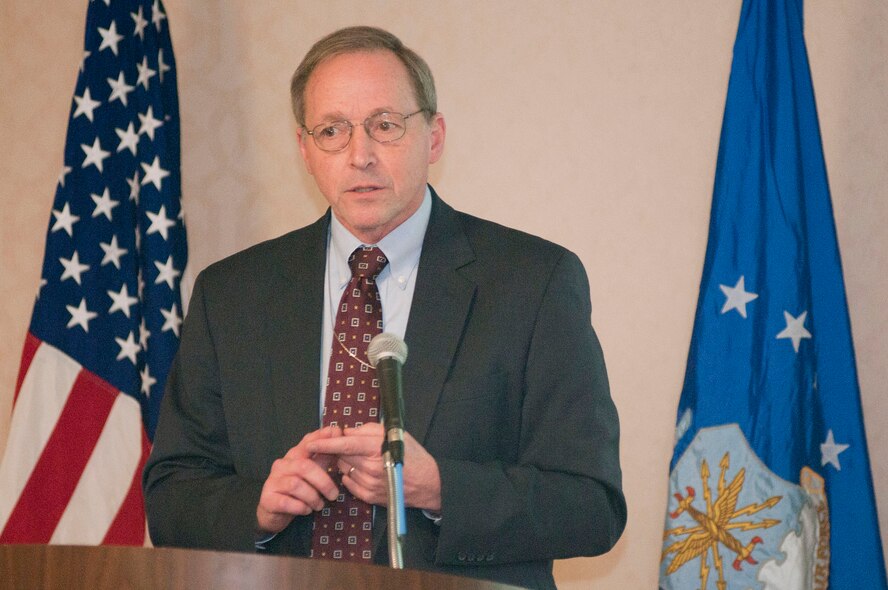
351	470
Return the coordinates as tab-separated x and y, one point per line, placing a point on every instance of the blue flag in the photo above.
770	486
106	321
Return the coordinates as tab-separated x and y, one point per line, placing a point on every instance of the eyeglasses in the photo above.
334	136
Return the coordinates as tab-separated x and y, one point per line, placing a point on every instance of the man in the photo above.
511	459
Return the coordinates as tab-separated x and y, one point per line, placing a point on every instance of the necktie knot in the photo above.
367	262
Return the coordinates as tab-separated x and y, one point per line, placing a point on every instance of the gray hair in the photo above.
357	40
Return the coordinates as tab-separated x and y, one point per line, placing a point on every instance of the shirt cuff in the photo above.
262	539
435	517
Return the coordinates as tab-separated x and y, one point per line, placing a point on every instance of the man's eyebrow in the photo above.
340	116
329	117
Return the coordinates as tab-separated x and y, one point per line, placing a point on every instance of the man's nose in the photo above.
362	148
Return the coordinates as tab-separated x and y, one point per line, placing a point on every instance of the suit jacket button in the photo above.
489	556
461	556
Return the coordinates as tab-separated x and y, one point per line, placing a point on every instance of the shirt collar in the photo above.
402	246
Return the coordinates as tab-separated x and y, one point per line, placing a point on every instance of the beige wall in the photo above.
591	123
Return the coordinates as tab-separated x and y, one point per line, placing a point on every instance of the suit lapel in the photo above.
441	304
293	324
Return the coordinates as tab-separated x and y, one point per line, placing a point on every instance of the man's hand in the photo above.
359	458
298	483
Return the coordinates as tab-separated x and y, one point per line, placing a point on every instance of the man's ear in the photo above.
302	138
438	132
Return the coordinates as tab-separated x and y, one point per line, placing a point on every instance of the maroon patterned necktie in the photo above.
342	530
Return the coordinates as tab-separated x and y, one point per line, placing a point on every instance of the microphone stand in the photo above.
393	459
387	353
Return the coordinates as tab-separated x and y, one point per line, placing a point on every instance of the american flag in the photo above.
106	320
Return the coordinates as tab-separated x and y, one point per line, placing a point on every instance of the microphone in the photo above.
387	354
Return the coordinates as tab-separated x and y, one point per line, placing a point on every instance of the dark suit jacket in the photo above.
505	385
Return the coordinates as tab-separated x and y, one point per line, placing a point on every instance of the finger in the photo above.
345	467
277	504
366	488
300	450
305	492
366	446
331	431
366	429
368	474
371	467
288	475
319	479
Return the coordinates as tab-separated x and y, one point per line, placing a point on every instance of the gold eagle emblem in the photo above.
715	526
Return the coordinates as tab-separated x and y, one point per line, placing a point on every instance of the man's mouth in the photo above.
364	189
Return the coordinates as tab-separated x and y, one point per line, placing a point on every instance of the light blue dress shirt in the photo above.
396	283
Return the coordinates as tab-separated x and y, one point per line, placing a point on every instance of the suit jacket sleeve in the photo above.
242	391
560	494
194	496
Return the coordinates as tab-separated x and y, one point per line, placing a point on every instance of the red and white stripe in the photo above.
71	473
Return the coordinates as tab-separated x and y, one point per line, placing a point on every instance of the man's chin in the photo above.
367	227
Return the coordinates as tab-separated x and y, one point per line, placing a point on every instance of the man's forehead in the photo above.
359	64
358	83
358	53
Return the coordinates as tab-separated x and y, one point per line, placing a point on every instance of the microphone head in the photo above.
386	345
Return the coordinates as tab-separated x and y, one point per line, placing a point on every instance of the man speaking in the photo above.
269	436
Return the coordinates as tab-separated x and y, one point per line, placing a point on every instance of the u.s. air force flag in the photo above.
770	486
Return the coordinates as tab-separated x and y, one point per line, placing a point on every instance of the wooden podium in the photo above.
34	567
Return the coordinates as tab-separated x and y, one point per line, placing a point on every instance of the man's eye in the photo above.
331	131
386	126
